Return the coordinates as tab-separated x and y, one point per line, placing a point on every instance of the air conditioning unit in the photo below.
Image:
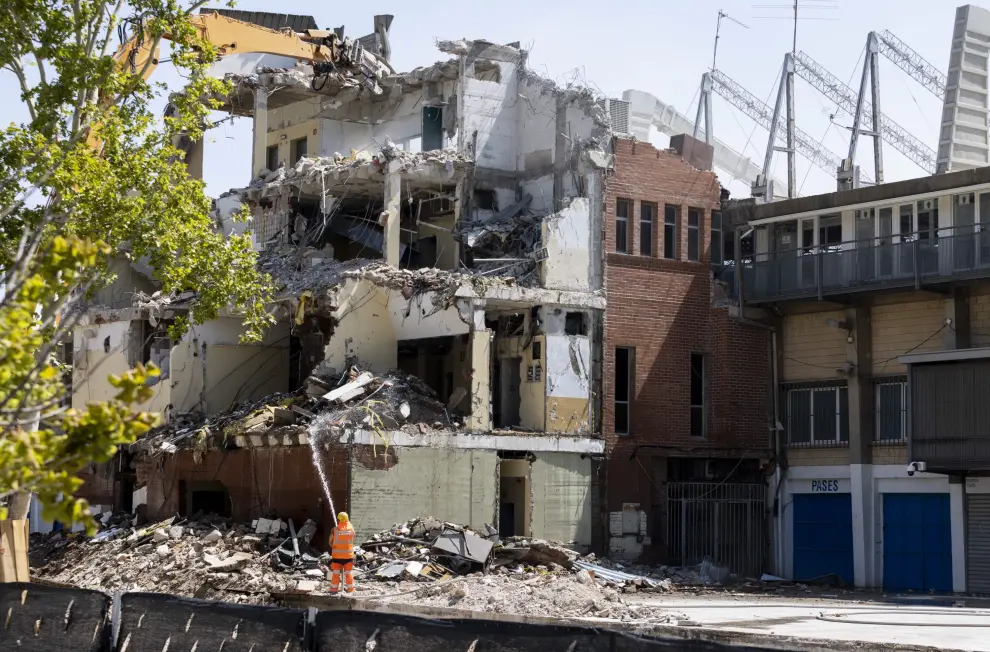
618	114
928	204
965	200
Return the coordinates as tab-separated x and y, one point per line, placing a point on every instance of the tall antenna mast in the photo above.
718	28
794	44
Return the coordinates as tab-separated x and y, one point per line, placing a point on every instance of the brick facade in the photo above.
663	309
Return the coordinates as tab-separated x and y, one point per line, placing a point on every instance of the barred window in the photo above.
817	415
891	410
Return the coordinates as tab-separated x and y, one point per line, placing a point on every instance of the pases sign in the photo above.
824	486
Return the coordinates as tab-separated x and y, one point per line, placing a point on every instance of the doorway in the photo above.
515	499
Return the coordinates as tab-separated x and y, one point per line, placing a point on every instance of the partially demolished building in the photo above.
435	237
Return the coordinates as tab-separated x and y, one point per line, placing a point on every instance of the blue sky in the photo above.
660	46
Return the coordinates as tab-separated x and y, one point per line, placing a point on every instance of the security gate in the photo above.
726	523
978	543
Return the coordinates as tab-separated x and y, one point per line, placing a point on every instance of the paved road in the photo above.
936	623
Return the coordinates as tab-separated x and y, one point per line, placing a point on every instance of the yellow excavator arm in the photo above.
140	53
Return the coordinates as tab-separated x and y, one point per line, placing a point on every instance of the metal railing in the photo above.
722	522
875	263
890	415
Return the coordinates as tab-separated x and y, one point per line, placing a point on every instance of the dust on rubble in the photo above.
425	562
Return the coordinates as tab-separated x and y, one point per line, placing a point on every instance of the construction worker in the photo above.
342	554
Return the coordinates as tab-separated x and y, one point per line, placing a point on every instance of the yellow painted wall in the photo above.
363	329
481	351
532	395
812	350
817	456
294	121
898	328
235	374
568	415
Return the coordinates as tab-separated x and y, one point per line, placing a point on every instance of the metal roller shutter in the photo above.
978	543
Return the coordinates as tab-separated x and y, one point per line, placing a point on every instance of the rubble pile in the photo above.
424	561
300	269
209	558
549	595
296	270
392	401
319	172
510	239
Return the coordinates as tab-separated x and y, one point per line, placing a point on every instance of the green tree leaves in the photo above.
90	174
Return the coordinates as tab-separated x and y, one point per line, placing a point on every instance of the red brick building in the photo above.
685	383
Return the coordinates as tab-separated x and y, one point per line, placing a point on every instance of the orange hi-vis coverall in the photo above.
342	557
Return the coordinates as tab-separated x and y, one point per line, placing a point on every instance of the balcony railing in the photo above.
901	261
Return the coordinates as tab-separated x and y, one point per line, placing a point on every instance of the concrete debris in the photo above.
545	593
318	174
401	402
298	270
210	558
424	561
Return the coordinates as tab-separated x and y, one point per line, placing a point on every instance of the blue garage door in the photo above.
823	539
917	542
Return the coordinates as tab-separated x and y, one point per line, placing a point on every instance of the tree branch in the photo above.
15	67
29	43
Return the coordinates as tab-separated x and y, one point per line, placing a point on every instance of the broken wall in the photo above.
278	481
100	350
568	374
358	125
370	320
448	249
562	498
488	114
567	238
232	372
128	280
290	123
455	485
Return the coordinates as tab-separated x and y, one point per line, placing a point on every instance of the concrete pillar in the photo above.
481	353
958	333
859	352
260	131
390	218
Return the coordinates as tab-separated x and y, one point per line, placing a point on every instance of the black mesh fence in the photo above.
35	617
152	622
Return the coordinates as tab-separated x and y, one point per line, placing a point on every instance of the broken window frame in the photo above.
647	215
694	235
698	395
623	208
670	231
576	323
622	412
271	157
296	145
